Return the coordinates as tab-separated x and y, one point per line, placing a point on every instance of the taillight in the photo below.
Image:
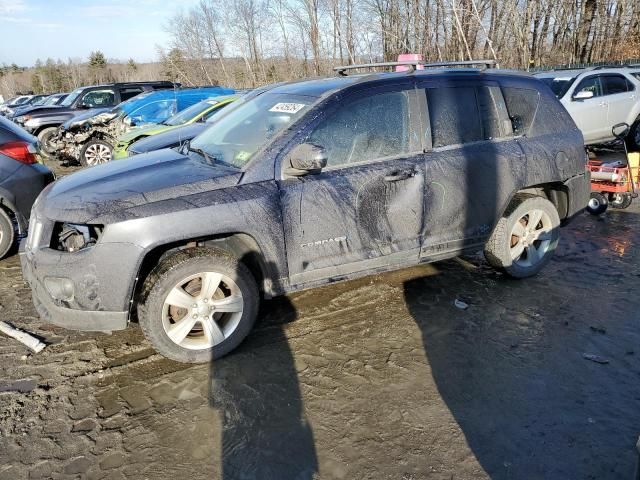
21	151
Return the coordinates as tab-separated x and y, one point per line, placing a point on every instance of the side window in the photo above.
590	84
522	105
127	93
613	84
99	98
154	112
493	113
454	116
365	129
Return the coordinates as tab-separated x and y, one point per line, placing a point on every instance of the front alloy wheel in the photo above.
95	153
202	310
198	305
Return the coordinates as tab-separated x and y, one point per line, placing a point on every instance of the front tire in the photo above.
200	304
525	238
7	234
44	137
598	203
96	152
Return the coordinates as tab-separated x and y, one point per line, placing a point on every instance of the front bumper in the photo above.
101	280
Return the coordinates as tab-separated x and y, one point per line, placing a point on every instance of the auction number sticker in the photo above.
287	107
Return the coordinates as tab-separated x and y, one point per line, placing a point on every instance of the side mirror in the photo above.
304	159
583	95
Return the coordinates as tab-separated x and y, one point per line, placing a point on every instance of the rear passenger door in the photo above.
620	95
472	164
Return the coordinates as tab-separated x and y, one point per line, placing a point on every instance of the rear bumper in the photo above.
578	193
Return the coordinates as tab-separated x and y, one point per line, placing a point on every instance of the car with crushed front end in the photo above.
43	121
90	139
312	182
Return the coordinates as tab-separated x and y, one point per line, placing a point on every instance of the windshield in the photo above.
237	136
559	85
189	113
40	101
72	97
52	100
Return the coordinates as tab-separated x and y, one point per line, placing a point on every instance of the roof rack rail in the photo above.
603	67
416	65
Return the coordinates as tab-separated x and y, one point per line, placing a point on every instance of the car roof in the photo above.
318	87
575	72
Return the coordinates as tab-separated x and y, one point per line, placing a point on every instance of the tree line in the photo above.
256	41
244	43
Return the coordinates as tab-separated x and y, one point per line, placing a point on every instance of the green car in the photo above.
199	112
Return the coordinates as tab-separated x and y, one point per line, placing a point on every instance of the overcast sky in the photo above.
123	29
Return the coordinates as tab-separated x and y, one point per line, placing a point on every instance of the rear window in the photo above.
461	115
614	84
454	116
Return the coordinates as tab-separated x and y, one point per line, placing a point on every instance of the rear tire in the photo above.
7	234
191	325
96	152
620	200
598	203
525	238
43	137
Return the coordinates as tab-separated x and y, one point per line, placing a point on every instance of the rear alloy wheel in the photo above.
201	304
7	233
598	203
525	238
44	137
620	200
96	152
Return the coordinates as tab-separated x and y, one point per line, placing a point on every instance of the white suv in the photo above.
598	99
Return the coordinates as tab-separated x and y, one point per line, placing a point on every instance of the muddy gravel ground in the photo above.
380	378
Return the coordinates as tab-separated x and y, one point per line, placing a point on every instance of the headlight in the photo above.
31	123
70	237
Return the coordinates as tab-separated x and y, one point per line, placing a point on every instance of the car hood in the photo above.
92	116
109	193
169	138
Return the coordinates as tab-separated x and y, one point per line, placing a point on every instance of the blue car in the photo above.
90	139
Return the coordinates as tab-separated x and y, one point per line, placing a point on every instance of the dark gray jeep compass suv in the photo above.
308	183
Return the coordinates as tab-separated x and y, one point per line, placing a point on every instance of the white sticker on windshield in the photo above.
287	107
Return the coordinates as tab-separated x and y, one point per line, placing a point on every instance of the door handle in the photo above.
603	104
401	175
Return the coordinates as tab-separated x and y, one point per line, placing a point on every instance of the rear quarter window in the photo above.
522	105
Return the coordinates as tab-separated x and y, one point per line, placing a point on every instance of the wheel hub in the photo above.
201	309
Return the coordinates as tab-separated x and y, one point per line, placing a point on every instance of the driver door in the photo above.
364	209
590	114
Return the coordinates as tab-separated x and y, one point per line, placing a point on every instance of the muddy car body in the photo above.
310	183
90	140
